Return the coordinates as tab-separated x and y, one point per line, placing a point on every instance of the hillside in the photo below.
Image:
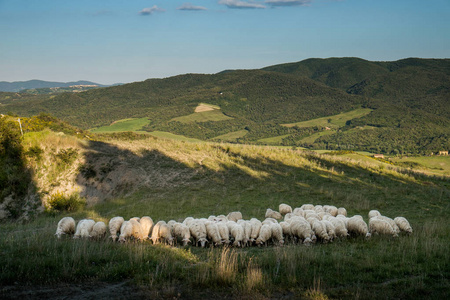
408	100
132	175
17	86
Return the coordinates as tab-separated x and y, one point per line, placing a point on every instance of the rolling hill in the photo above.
17	86
408	102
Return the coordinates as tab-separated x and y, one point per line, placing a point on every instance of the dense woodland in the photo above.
409	99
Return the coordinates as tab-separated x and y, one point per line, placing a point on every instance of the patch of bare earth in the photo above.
203	108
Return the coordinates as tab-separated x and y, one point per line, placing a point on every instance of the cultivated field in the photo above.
169	179
123	125
334	121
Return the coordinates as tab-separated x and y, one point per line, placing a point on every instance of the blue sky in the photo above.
109	41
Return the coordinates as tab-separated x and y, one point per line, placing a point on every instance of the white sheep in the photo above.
340	228
301	229
137	219
331	230
162	232
65	226
212	232
277	234
224	232
380	226
256	227
273	214
198	232
126	231
331	209
269	221
222	218
284	209
238	234
318	208
320	230
343	218
299	212
288	216
342	211
403	224
286	229
307	207
234	216
188	221
357	226
137	232
114	227
84	228
265	234
147	225
212	218
98	230
182	231
374	213
247	231
390	221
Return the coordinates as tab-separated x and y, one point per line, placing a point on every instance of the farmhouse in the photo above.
378	156
443	152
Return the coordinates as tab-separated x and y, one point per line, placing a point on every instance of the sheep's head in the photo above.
186	242
307	241
368	235
203	242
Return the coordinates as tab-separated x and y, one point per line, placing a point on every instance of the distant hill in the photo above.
407	102
17	86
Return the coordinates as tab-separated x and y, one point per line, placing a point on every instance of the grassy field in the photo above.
435	164
169	179
212	115
336	121
232	136
276	140
123	125
171	136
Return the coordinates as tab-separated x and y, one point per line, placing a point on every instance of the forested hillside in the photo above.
408	101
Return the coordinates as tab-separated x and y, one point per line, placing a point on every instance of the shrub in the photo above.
59	202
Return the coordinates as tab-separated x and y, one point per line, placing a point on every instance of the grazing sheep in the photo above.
301	229
277	234
320	230
137	229
357	226
264	235
299	212
331	209
126	231
269	221
162	232
114	227
256	227
146	224
238	234
390	221
98	230
323	214
84	228
65	226
286	229
198	232
234	216
331	230
380	226
188	221
284	209
137	219
247	231
307	207
224	232
343	218
212	218
182	231
374	213
339	227
222	218
403	224
273	214
342	211
318	208
212	232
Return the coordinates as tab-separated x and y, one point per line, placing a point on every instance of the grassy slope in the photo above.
232	136
199	179
123	125
212	115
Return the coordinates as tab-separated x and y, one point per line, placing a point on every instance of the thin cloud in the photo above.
241	4
150	10
288	2
189	6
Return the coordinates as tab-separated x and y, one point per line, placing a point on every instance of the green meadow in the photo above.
131	124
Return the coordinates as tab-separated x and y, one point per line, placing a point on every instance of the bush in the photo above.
59	202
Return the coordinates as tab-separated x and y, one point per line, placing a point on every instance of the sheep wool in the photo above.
307	207
331	209
126	231
403	224
234	216
357	226
238	234
264	234
284	209
98	230
84	228
224	232
299	212
277	234
182	231
342	211
320	230
146	224
65	226
137	229
256	227
374	213
390	221
114	227
212	232
273	214
198	232
380	226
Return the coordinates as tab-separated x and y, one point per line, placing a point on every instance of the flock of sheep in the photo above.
306	224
